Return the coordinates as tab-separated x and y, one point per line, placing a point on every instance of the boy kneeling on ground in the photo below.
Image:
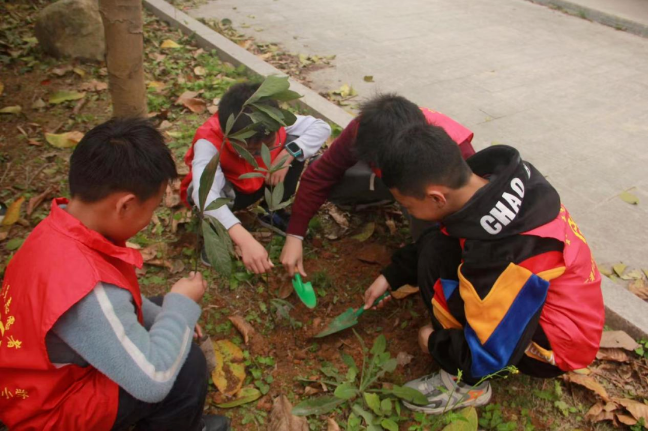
80	348
507	275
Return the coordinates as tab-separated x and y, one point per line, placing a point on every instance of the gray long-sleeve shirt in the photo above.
102	330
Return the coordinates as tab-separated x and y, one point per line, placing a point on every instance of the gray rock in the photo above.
72	28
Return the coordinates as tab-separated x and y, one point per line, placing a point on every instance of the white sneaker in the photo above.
445	394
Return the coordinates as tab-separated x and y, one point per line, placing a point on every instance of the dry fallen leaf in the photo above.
243	326
588	382
366	232
37	200
172	194
93	86
403	358
189	100
208	349
158	85
64	140
281	418
374	253
595	410
332	425
338	217
15	109
230	371
639	288
619	269
612	354
169	44
13	212
200	70
310	391
392	226
625	419
404	291
637	409
618	339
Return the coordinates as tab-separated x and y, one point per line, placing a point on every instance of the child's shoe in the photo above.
276	221
444	393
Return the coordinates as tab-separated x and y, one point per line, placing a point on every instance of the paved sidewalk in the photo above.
569	93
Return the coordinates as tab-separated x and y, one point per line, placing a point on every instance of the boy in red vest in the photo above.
347	172
80	348
297	142
507	275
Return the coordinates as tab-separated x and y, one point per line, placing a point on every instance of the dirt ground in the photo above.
341	263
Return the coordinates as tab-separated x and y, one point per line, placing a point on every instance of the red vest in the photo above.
458	133
60	263
232	164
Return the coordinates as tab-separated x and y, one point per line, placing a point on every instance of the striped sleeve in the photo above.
104	330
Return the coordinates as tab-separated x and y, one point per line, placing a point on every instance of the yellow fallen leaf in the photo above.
13	212
606	271
230	371
15	109
65	95
2	88
200	70
158	85
169	44
628	197
79	71
64	140
619	269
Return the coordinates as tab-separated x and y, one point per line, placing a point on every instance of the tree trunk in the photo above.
124	56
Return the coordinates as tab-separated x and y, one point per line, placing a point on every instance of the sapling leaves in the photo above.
251	175
217	204
229	125
244	154
275	113
265	155
206	181
278	194
283	96
271	86
216	246
279	165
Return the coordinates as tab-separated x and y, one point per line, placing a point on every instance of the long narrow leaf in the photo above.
260	117
289	117
207	179
229	124
268	197
271	86
284	96
251	175
244	154
216	248
217	204
275	113
317	406
279	165
265	155
222	233
278	194
242	135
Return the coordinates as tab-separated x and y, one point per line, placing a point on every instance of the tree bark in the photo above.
124	56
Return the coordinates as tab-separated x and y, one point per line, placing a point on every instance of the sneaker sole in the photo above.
478	402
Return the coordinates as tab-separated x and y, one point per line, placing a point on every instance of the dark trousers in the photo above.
182	409
360	186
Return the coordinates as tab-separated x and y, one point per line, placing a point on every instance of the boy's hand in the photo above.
193	286
253	254
424	334
292	257
278	176
376	290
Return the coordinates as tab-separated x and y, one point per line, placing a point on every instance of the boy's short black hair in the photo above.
380	120
121	155
231	104
422	155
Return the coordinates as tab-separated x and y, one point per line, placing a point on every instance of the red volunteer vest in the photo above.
458	133
573	315
232	164
60	263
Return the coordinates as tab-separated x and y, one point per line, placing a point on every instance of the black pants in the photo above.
182	409
360	186
242	201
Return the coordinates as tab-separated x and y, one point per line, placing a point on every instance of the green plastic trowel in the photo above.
347	319
304	291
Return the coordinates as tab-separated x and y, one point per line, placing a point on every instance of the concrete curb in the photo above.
233	53
590	14
624	311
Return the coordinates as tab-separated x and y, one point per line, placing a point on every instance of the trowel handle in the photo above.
362	309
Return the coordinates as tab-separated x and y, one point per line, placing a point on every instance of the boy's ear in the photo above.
437	196
125	203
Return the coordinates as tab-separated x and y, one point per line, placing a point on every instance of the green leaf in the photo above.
279	165
275	113
271	86
251	175
216	247
64	95
229	124
367	416
207	179
244	154
351	374
386	407
628	197
373	402
265	155
289	117
246	395
390	365
217	204
15	109
409	394
390	425
379	345
278	194
349	361
268	198
345	391
242	135
283	205
467	421
284	96
367	232
317	406
14	244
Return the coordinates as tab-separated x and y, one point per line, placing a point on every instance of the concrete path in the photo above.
570	94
